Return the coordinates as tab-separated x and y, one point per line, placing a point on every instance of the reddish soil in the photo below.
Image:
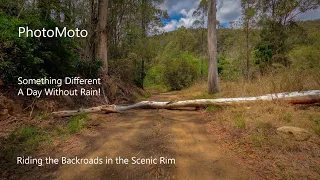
176	134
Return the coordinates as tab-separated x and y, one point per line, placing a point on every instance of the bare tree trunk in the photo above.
144	35
247	47
305	97
213	85
103	35
93	34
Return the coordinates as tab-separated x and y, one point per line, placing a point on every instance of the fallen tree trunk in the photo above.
304	97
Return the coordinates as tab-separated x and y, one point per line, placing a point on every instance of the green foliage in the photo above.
155	76
263	55
240	122
27	136
306	55
88	68
23	141
30	56
77	123
181	72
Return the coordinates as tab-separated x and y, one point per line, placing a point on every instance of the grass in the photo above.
316	129
213	108
285	81
316	123
147	95
143	96
77	123
286	117
205	95
27	137
157	88
258	140
240	123
41	117
23	141
265	127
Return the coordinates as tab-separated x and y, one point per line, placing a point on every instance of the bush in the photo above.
88	68
33	57
181	72
155	76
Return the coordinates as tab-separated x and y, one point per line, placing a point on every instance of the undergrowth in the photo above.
28	139
77	123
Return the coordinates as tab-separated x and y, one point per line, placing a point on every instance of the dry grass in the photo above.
249	130
280	82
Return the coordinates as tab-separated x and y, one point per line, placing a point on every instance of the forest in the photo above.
211	99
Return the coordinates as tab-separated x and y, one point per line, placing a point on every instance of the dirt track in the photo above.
153	133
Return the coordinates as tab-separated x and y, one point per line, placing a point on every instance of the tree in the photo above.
213	85
103	35
278	19
201	13
248	11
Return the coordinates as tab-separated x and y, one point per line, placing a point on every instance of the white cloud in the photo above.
227	10
175	6
171	26
187	21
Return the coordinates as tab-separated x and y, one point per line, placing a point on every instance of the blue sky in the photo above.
180	12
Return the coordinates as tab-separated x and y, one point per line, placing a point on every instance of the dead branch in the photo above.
304	97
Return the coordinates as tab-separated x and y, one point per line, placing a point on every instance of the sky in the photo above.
180	12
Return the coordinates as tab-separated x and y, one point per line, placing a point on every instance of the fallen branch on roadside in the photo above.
304	97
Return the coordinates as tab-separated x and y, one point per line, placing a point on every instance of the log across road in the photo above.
303	97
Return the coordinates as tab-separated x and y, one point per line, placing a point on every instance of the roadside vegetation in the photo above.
41	134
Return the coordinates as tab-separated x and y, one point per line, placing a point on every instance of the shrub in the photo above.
88	68
181	72
155	76
33	57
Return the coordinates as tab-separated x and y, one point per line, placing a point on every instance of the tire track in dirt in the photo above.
198	156
154	133
142	134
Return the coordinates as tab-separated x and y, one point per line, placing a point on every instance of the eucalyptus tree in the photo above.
278	18
201	13
103	36
249	9
213	85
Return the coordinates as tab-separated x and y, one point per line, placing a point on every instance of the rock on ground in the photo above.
297	133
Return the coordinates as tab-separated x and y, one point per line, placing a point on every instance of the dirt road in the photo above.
178	135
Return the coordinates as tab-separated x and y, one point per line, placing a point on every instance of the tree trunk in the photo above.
144	35
305	97
103	35
93	29
247	49
213	85
247	21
